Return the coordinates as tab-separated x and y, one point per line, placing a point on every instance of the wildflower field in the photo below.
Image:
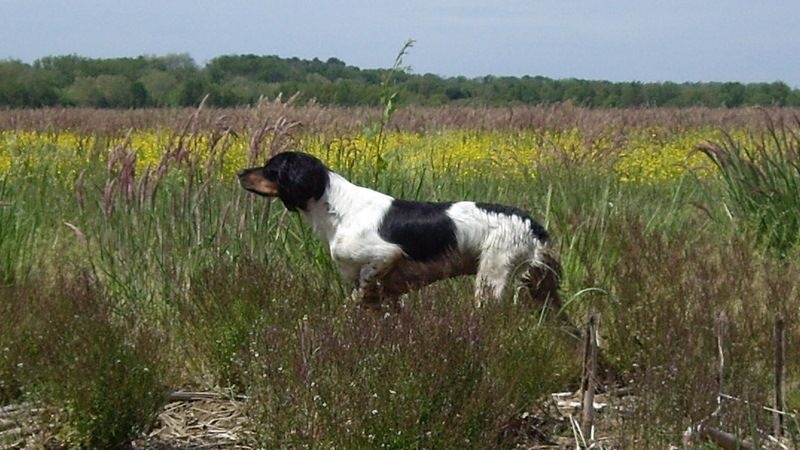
132	265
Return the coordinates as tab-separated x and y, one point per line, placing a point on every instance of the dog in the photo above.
387	247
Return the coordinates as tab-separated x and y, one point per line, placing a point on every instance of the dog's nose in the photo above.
241	172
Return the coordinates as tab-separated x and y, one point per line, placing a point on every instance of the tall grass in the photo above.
762	180
176	270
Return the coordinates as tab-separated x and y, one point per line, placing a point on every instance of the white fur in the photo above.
503	242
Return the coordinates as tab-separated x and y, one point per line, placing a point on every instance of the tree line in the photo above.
236	80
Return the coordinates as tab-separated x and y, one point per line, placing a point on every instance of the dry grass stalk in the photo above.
589	378
279	131
780	376
332	119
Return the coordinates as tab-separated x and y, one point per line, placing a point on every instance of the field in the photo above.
132	265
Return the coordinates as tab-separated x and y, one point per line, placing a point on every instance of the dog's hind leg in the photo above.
494	269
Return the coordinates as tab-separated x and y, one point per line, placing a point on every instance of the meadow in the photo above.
132	265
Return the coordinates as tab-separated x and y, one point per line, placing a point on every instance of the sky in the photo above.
615	40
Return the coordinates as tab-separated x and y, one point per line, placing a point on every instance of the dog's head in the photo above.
294	177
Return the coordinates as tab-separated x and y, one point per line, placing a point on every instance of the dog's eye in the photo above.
270	174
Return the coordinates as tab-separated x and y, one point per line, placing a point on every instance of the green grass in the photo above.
194	282
762	181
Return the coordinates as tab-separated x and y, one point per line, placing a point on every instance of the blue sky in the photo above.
617	40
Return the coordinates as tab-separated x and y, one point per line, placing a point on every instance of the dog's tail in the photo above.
543	278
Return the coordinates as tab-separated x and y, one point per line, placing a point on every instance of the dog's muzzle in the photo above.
253	180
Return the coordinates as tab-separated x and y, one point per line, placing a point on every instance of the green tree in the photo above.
732	94
159	86
83	92
191	92
138	94
631	94
115	91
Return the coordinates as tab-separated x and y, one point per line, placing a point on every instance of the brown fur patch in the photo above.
406	274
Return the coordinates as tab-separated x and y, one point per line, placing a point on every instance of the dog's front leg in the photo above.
370	287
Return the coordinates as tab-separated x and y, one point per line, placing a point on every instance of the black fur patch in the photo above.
538	230
422	230
299	176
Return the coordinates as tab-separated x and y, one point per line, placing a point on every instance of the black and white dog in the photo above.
390	246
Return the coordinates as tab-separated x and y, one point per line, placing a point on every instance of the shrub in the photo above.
100	375
673	304
439	375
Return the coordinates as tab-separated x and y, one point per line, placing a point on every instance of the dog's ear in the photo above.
301	178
